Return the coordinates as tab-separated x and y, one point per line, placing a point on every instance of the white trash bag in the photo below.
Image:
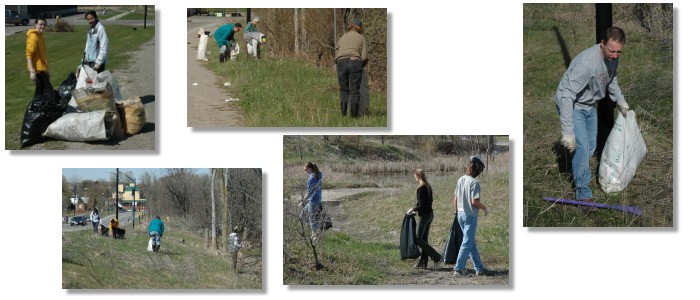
622	155
202	48
79	127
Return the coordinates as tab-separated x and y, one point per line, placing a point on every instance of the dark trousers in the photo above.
43	84
422	233
349	77
92	65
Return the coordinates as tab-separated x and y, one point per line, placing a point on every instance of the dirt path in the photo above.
137	79
205	101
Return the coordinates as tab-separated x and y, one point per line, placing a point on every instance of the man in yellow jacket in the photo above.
37	64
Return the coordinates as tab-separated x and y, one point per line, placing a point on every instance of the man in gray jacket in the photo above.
591	74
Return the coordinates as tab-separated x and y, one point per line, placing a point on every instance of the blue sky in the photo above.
104	173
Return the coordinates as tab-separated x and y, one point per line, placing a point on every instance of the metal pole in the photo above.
145	15
606	107
116	198
133	206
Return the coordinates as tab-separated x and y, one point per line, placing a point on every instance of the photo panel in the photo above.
598	115
287	67
396	210
84	77
164	228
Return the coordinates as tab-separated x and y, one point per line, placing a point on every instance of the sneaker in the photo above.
481	272
459	273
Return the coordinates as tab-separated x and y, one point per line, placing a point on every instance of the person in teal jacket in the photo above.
224	36
155	230
252	26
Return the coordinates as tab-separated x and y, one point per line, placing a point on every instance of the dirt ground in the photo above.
206	106
137	79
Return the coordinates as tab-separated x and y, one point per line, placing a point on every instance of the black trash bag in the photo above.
66	88
407	245
325	220
454	242
41	112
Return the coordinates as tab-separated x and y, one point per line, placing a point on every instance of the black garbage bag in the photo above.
66	88
407	245
454	242
41	112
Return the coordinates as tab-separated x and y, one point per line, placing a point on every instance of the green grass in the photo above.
646	78
138	16
64	51
287	92
91	262
362	248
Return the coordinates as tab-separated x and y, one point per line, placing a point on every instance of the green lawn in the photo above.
645	76
64	51
138	16
287	92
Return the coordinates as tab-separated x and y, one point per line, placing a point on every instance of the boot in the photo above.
156	248
344	108
422	263
354	108
221	57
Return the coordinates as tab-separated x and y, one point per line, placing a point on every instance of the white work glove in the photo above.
97	66
623	107
32	76
486	212
569	141
410	212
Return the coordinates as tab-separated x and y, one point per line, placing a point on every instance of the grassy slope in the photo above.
646	79
287	92
64	51
362	248
92	262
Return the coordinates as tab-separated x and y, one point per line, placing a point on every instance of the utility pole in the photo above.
606	107
116	197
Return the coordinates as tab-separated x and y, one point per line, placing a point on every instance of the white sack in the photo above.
622	155
79	127
202	48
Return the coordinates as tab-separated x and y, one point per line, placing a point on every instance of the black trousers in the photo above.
43	84
349	77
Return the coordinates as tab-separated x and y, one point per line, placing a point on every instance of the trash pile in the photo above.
88	107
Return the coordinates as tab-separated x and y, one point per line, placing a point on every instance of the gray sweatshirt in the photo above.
584	83
250	36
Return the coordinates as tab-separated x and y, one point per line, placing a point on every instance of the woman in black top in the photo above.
424	209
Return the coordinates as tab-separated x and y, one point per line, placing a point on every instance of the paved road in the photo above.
125	217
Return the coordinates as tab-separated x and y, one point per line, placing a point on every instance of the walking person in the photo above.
37	62
95	219
96	44
424	210
155	231
591	75
226	41
350	59
312	199
467	203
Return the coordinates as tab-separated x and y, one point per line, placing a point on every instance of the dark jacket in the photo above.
424	200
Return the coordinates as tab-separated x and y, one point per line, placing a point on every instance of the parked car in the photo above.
78	220
13	17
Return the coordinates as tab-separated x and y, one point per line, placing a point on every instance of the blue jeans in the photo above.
585	129
468	248
156	237
311	214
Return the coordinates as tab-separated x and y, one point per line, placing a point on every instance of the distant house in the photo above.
130	195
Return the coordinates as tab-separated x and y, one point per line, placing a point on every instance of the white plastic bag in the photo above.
79	127
202	48
150	245
622	155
